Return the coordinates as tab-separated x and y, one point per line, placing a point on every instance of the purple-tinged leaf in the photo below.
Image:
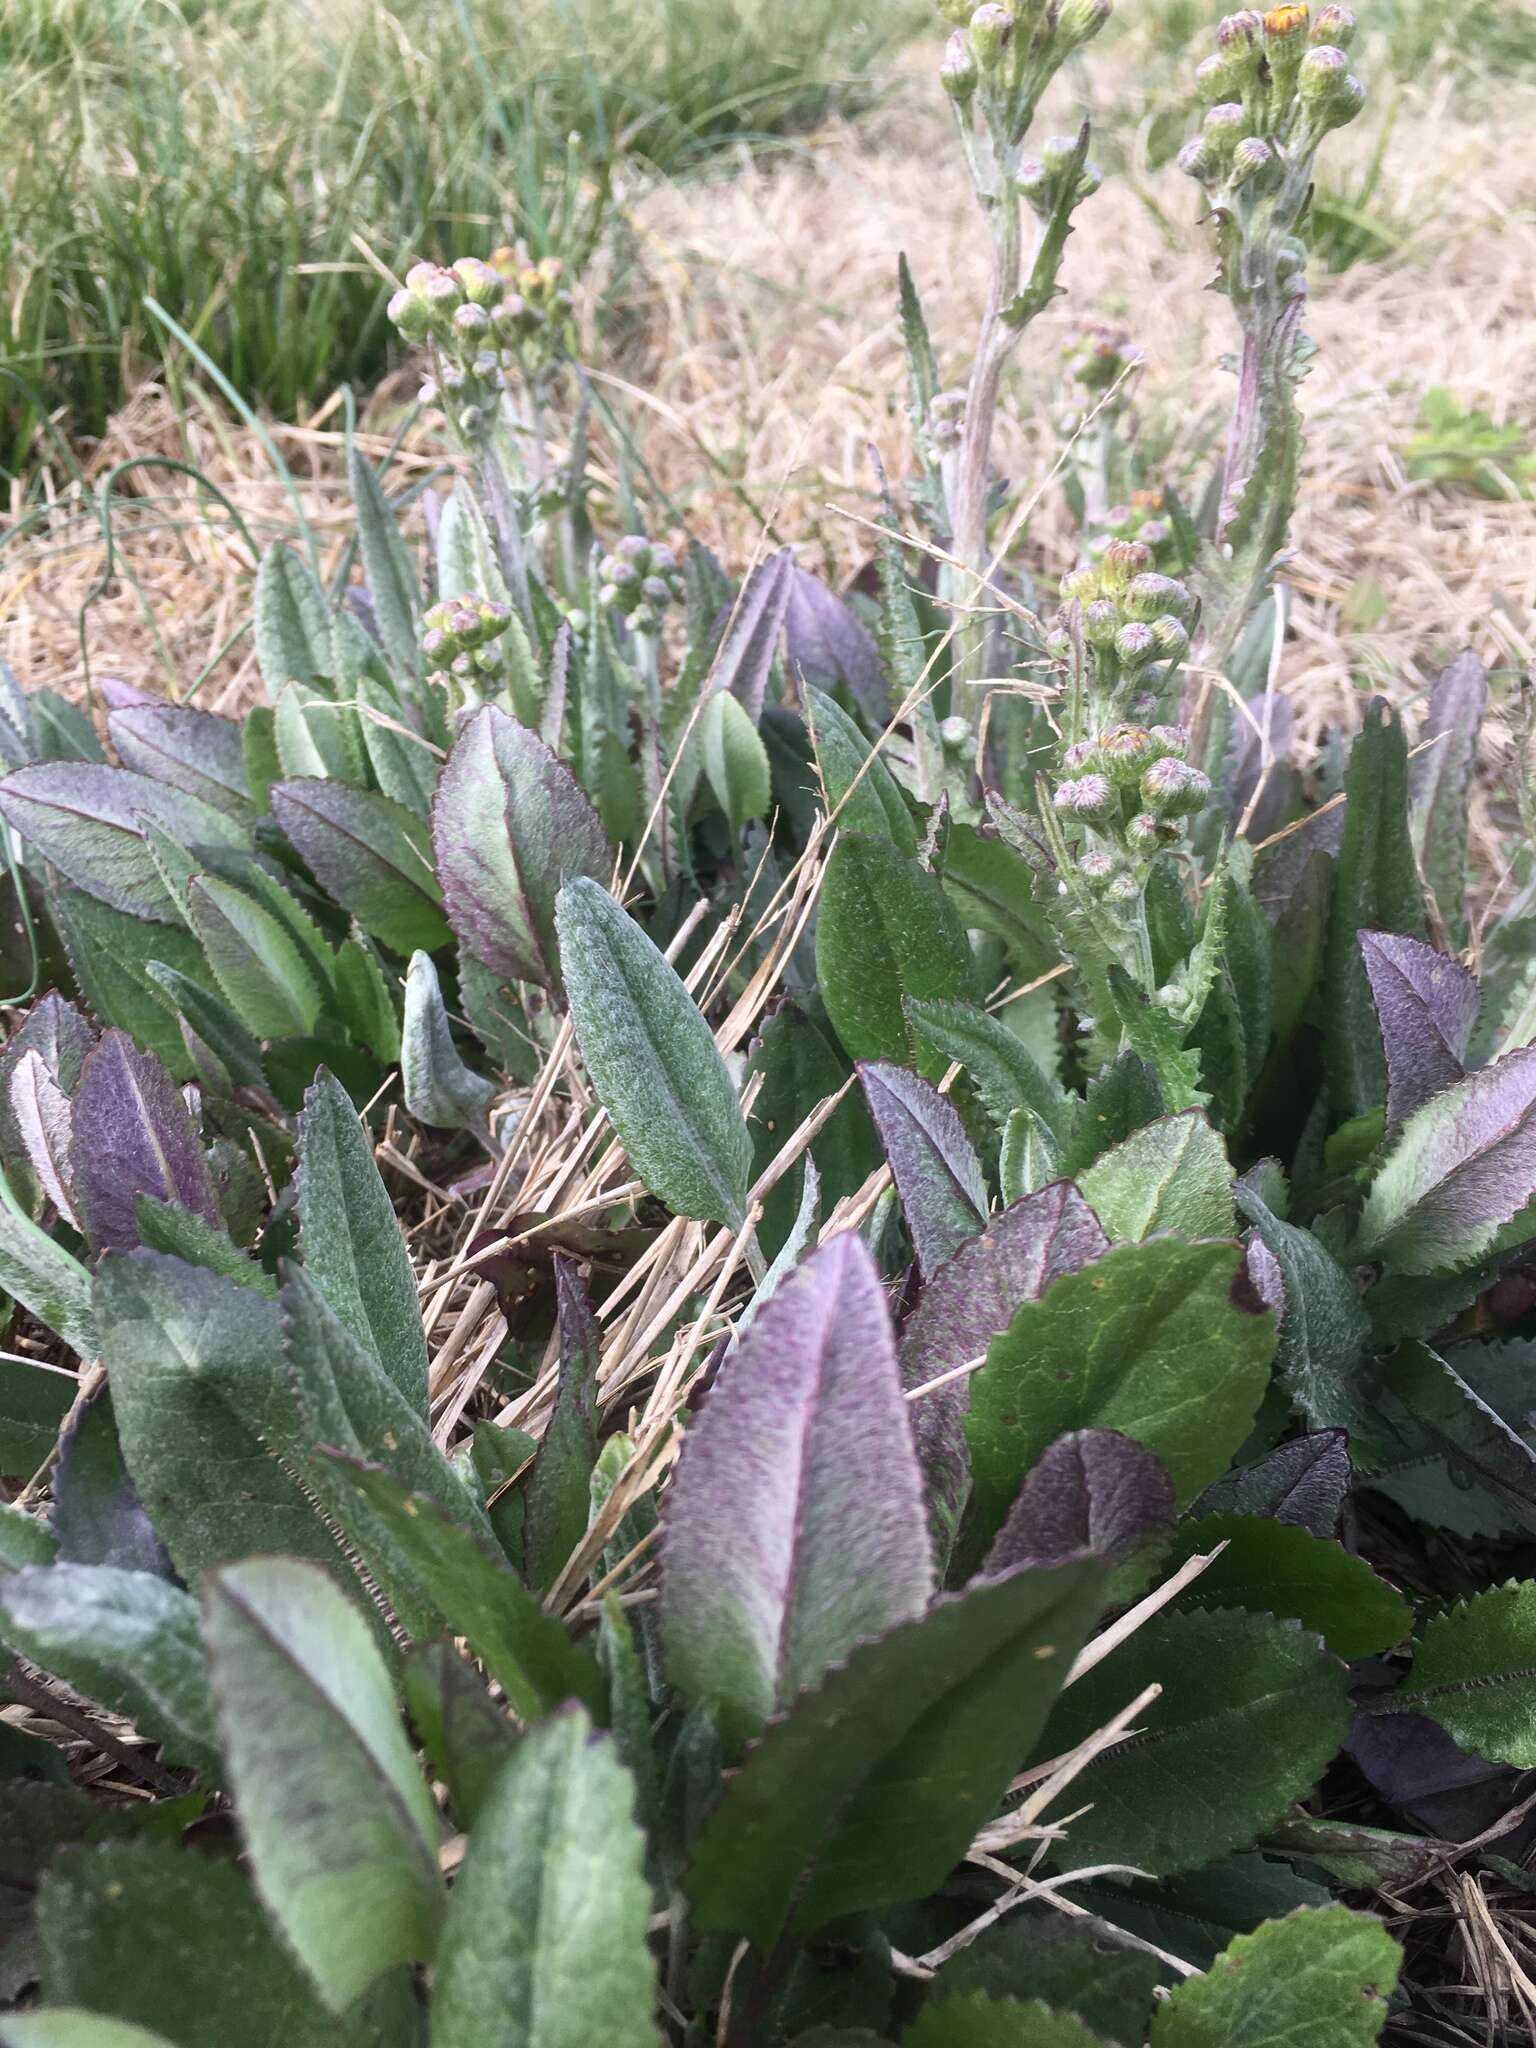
795	1523
969	1301
752	630
1416	1767
828	644
85	818
1303	1481
43	1117
370	853
1426	1005
1460	1181
189	749
118	694
1440	784
1263	781
510	825
938	1176
132	1136
98	1516
555	1498
55	1029
1094	1490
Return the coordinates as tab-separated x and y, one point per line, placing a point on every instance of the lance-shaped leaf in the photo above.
85	818
1253	1706
1440	779
98	1517
746	653
1457	1183
546	1935
353	1249
829	643
862	794
45	1120
735	759
1165	1342
439	1089
977	2021
393	588
1426	1406
1322	1976
292	622
125	1639
1426	1005
1274	1567
1093	1491
510	824
556	1496
131	1136
338	1822
187	748
872	1787
209	1021
933	1163
1303	1482
967	1303
1170	1176
466	1734
653	1061
262	972
795	1523
1005	1072
60	1035
1323	1328
48	1281
371	854
1473	1673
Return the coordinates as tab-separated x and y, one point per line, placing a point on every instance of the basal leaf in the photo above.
371	854
262	973
1164	1342
1323	1328
746	654
214	1024
1251	1713
735	760
392	582
48	1281
1474	1673
353	1249
438	1088
862	794
338	1822
1093	1491
1426	1004
829	644
937	1174
187	748
43	1119
1303	1481
1170	1177
798	1069
131	1135
1323	1977
653	1061
66	2026
510	824
556	1497
1006	1075
24	1540
293	622
1272	1567
795	1523
872	1787
885	931
1121	1100
546	1935
1081	1966
98	1517
466	1734
1440	779
977	2021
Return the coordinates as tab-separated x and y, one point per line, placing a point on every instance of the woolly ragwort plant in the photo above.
970	1345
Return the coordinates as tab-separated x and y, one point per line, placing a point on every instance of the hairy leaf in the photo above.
829	644
67	2026
1275	1567
1426	1005
1303	1482
862	794
1474	1673
1323	1328
262	972
439	1089
371	854
1322	1977
132	1135
392	583
977	2021
1170	1176
44	1118
189	749
1005	1072
292	624
1093	1490
98	1517
1440	779
746	653
735	759
937	1174
556	1496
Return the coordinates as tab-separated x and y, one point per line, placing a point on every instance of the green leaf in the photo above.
224	1034
855	777
338	1822
653	1061
871	1788
167	1227
127	1640
439	1089
1006	1075
70	2027
1377	888
556	1497
317	738
1474	1673
799	1069
261	972
1441	782
885	931
1122	1099
1161	1341
1028	1158
1321	1977
1251	1713
292	622
370	853
976	2021
546	1935
1272	1567
992	886
392	582
49	1282
735	760
1171	1176
466	1735
1075	1966
353	1249
1323	1327
937	1174
368	1008
24	1540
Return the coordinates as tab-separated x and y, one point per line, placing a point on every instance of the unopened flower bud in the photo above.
958	73
1125	751
1250	159
1143	834
419	276
1135	644
471	422
1101	622
1334	25
1123	888
608	596
1096	868
442	293
1058	644
1211	77
957	11
471	320
1223	130
657	590
1078	21
1196	161
1080	587
634	547
1090	797
1124	559
1149	595
1328	90
1172	789
482	287
990	32
411	315
1172	741
1169	637
1080	756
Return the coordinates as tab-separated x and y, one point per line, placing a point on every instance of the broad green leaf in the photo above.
937	1174
654	1063
1377	888
369	1008
795	1525
799	1069
1302	1481
872	1787
1075	1966
127	1640
1028	1158
370	853
292	622
404	765
97	1515
861	792
1121	1100
24	1540
174	1940
1251	1713
1170	1177
977	2021
51	1284
262	974
1006	1074
439	1089
467	1736
1474	1673
1318	1977
34	1399
187	748
992	886
1457	1184
392	583
466	554
735	759
1323	1328
315	737
228	1037
353	1249
886	931
526	1651
338	1822
1163	1342
1196	1914
167	1227
546	1935
747	651
64	2026
1272	1567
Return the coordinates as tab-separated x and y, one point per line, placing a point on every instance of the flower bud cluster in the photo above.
461	636
1005	54
639	579
1134	621
1050	181
1131	787
1275	85
482	320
